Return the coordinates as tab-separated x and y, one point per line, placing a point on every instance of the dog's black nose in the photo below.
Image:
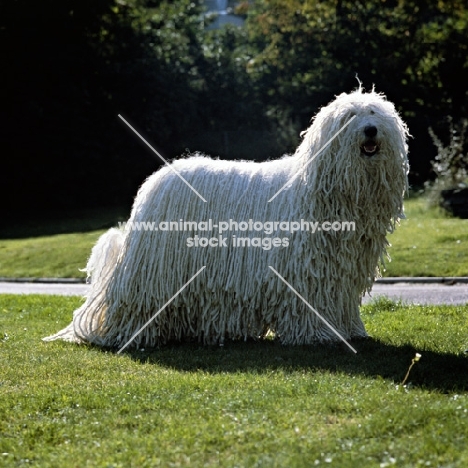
370	131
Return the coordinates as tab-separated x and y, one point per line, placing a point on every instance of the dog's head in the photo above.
369	124
359	124
358	140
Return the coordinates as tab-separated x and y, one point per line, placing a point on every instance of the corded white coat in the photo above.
133	273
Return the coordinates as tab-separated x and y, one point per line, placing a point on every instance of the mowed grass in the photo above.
55	256
253	404
56	245
428	243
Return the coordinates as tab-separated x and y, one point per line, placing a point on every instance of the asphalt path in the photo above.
415	293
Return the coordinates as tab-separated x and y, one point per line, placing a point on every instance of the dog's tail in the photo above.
104	256
100	267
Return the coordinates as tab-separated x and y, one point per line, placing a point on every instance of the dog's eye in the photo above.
372	112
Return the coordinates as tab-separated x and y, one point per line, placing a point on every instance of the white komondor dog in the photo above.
350	167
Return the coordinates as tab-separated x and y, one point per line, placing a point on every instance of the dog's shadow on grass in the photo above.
375	359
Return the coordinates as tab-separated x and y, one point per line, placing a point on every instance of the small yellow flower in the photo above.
417	357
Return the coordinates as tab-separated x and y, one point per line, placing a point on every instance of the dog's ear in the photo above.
347	116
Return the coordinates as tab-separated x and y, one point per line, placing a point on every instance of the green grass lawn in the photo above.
428	243
55	256
244	405
54	246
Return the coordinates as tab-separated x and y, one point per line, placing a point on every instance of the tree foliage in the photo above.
410	49
304	52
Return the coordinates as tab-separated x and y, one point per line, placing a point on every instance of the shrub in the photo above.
450	165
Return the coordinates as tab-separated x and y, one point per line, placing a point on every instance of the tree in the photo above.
304	52
71	68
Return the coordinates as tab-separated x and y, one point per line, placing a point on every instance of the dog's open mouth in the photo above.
369	148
